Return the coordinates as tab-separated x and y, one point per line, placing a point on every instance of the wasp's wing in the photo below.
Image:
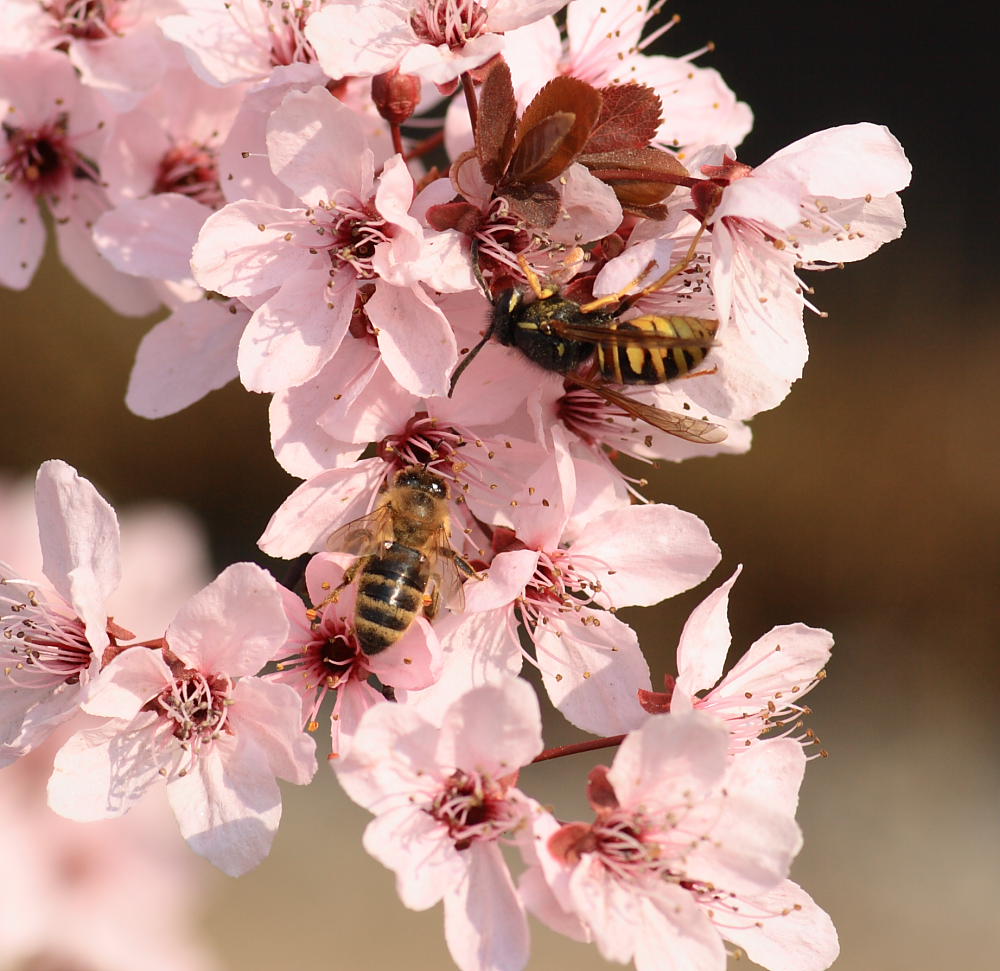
683	426
693	332
360	536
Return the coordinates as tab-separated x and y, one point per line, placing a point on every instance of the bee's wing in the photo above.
683	426
700	329
361	536
448	570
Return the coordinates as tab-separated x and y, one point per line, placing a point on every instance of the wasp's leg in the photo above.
532	277
657	284
704	373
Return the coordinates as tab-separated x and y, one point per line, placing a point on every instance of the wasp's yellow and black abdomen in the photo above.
622	361
390	593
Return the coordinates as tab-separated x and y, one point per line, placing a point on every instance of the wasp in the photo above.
405	559
593	348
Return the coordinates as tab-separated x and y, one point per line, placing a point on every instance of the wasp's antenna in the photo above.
478	273
468	358
477	270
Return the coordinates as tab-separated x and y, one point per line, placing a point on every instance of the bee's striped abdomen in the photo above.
633	363
390	592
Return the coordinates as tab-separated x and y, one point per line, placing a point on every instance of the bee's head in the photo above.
422	479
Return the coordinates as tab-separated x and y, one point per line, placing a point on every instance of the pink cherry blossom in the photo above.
54	636
443	794
604	45
689	849
590	661
194	715
308	265
115	45
828	198
116	895
241	40
435	39
323	655
519	491
51	137
762	691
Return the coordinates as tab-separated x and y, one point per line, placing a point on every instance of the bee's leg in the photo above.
463	564
657	284
432	601
334	595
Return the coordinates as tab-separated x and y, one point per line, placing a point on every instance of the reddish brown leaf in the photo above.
640	177
570	842
630	115
543	150
496	123
463	216
543	157
655	702
537	205
600	792
657	212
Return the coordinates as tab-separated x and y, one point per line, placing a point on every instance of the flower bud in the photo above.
396	95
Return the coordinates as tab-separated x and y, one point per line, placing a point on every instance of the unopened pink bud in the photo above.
396	95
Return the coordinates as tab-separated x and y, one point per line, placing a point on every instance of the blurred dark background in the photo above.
869	505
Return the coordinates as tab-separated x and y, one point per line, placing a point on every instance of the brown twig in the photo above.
592	746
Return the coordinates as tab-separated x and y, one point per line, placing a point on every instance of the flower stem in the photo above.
575	749
470	98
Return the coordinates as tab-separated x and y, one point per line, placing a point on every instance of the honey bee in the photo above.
594	349
403	549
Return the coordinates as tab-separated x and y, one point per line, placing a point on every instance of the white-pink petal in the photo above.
234	626
272	714
505	581
23	232
784	663
705	641
418	849
673	760
786	931
133	678
592	670
845	162
358	39
750	820
317	507
78	532
228	806
152	237
643	554
185	356
417	342
484	921
297	330
318	149
393	756
100	773
494	729
242	250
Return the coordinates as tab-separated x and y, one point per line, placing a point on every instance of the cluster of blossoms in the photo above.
336	200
